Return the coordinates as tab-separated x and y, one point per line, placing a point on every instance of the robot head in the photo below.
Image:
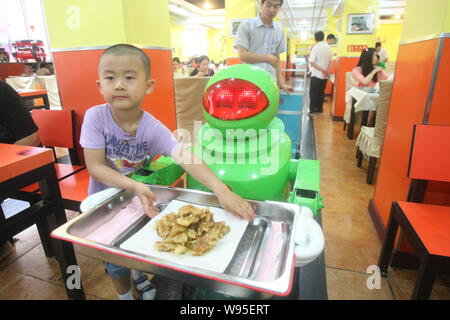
241	96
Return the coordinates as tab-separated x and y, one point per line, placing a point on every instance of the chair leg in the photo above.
371	170
388	245
345	125
424	281
360	157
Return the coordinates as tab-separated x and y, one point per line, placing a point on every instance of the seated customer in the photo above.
44	70
28	71
203	69
16	127
178	67
367	73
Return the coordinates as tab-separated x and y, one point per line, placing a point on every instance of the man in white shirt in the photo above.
320	60
381	52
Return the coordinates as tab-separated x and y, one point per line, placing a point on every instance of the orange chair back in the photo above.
430	156
55	127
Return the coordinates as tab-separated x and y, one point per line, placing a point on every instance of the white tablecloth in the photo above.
365	101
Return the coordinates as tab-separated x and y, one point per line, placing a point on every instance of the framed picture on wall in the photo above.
234	26
361	23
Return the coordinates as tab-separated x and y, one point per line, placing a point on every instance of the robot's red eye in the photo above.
234	99
248	98
224	98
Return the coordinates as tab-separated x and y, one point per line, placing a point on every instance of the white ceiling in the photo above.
296	15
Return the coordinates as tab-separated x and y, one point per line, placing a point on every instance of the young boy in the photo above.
118	135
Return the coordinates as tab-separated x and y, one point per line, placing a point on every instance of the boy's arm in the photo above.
95	162
196	168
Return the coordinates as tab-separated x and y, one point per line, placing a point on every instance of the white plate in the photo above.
216	260
97	198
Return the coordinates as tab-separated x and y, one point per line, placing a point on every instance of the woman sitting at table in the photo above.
203	69
367	73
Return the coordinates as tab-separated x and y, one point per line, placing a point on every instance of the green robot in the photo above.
246	146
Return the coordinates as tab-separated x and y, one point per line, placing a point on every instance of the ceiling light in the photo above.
207	5
303	35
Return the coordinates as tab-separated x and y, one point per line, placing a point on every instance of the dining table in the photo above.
362	100
21	166
31	94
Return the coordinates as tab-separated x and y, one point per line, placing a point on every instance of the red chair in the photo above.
56	130
426	226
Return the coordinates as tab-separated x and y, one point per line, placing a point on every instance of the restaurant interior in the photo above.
374	161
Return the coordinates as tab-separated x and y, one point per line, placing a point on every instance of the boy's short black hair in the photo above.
331	36
123	49
319	35
281	2
377	44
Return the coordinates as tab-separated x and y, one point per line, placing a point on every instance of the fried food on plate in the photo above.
192	229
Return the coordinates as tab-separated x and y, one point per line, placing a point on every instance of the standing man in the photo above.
320	60
381	52
260	41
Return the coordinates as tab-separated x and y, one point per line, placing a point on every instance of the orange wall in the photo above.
440	108
342	66
439	192
409	96
77	74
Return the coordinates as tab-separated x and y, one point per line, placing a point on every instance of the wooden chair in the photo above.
426	226
349	83
370	140
56	130
188	101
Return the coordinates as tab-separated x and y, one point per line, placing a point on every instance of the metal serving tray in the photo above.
238	280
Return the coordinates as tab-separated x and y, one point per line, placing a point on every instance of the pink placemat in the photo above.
121	221
271	254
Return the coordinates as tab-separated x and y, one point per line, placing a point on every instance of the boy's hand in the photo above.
235	204
147	198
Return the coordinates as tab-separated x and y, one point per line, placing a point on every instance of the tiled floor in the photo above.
351	242
351	245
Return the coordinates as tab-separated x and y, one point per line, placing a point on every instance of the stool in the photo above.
427	228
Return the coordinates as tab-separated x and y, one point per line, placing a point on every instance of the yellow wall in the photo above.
147	22
355	7
447	20
242	9
425	18
177	40
389	35
216	44
81	25
332	28
303	46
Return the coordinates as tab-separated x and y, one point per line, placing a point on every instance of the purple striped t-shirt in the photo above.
124	153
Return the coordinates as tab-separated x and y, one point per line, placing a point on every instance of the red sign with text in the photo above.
356	47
